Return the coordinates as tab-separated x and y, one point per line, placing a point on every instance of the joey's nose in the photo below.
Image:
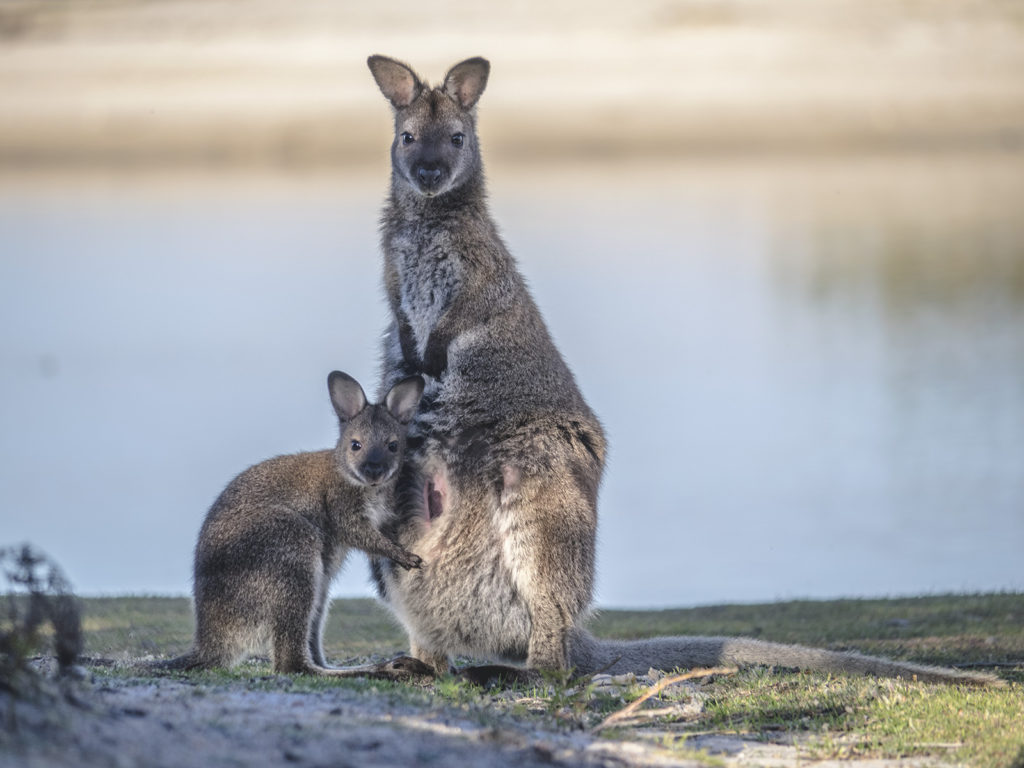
429	177
373	470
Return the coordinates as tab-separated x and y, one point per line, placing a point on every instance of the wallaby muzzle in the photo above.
375	467
428	178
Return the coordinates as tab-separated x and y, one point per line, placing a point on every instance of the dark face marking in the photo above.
434	149
372	442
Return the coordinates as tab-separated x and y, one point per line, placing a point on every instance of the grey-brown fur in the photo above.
278	533
638	656
499	492
504	443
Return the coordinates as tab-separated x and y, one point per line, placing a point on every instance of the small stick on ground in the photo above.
626	712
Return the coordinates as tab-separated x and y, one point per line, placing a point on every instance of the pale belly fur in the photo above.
464	600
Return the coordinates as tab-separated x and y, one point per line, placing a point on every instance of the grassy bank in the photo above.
827	717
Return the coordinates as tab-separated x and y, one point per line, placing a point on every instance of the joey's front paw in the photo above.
409	561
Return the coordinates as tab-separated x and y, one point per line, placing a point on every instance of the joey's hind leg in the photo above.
318	623
225	624
218	643
290	629
292	592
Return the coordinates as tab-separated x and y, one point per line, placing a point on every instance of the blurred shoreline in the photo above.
257	83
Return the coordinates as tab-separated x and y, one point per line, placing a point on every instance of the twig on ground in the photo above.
630	709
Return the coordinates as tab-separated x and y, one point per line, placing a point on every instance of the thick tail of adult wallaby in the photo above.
590	655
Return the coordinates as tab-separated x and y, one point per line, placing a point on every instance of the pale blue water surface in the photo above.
811	373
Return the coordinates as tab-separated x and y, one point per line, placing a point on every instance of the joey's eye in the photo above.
356	445
393	446
458	138
407	138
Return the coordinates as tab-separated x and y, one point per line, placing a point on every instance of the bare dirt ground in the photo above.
116	710
164	723
171	723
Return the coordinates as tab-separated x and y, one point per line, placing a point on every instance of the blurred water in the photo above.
811	373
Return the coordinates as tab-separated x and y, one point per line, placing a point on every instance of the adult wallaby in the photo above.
499	491
280	531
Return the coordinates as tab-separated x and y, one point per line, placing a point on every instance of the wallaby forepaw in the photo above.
410	561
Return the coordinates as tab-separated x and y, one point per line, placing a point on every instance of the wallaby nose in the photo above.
375	464
429	177
373	470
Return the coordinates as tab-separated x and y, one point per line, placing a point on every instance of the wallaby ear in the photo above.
347	396
465	82
403	398
396	80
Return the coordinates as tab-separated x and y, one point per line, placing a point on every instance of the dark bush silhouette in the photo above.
37	594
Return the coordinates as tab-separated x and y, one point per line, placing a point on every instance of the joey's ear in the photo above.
403	398
346	395
396	80
465	82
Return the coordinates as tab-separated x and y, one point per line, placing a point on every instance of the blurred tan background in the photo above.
780	243
257	81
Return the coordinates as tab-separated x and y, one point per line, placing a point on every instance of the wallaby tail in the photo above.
589	655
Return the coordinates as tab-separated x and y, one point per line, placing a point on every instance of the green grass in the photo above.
116	627
941	629
832	717
136	626
847	717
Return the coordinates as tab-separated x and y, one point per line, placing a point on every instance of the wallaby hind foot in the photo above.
398	669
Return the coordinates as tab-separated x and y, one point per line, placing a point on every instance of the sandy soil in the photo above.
106	722
126	81
145	722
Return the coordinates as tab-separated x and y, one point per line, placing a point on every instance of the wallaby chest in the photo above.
346	501
429	276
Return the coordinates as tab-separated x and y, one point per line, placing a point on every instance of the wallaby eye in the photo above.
393	446
356	445
407	138
458	138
